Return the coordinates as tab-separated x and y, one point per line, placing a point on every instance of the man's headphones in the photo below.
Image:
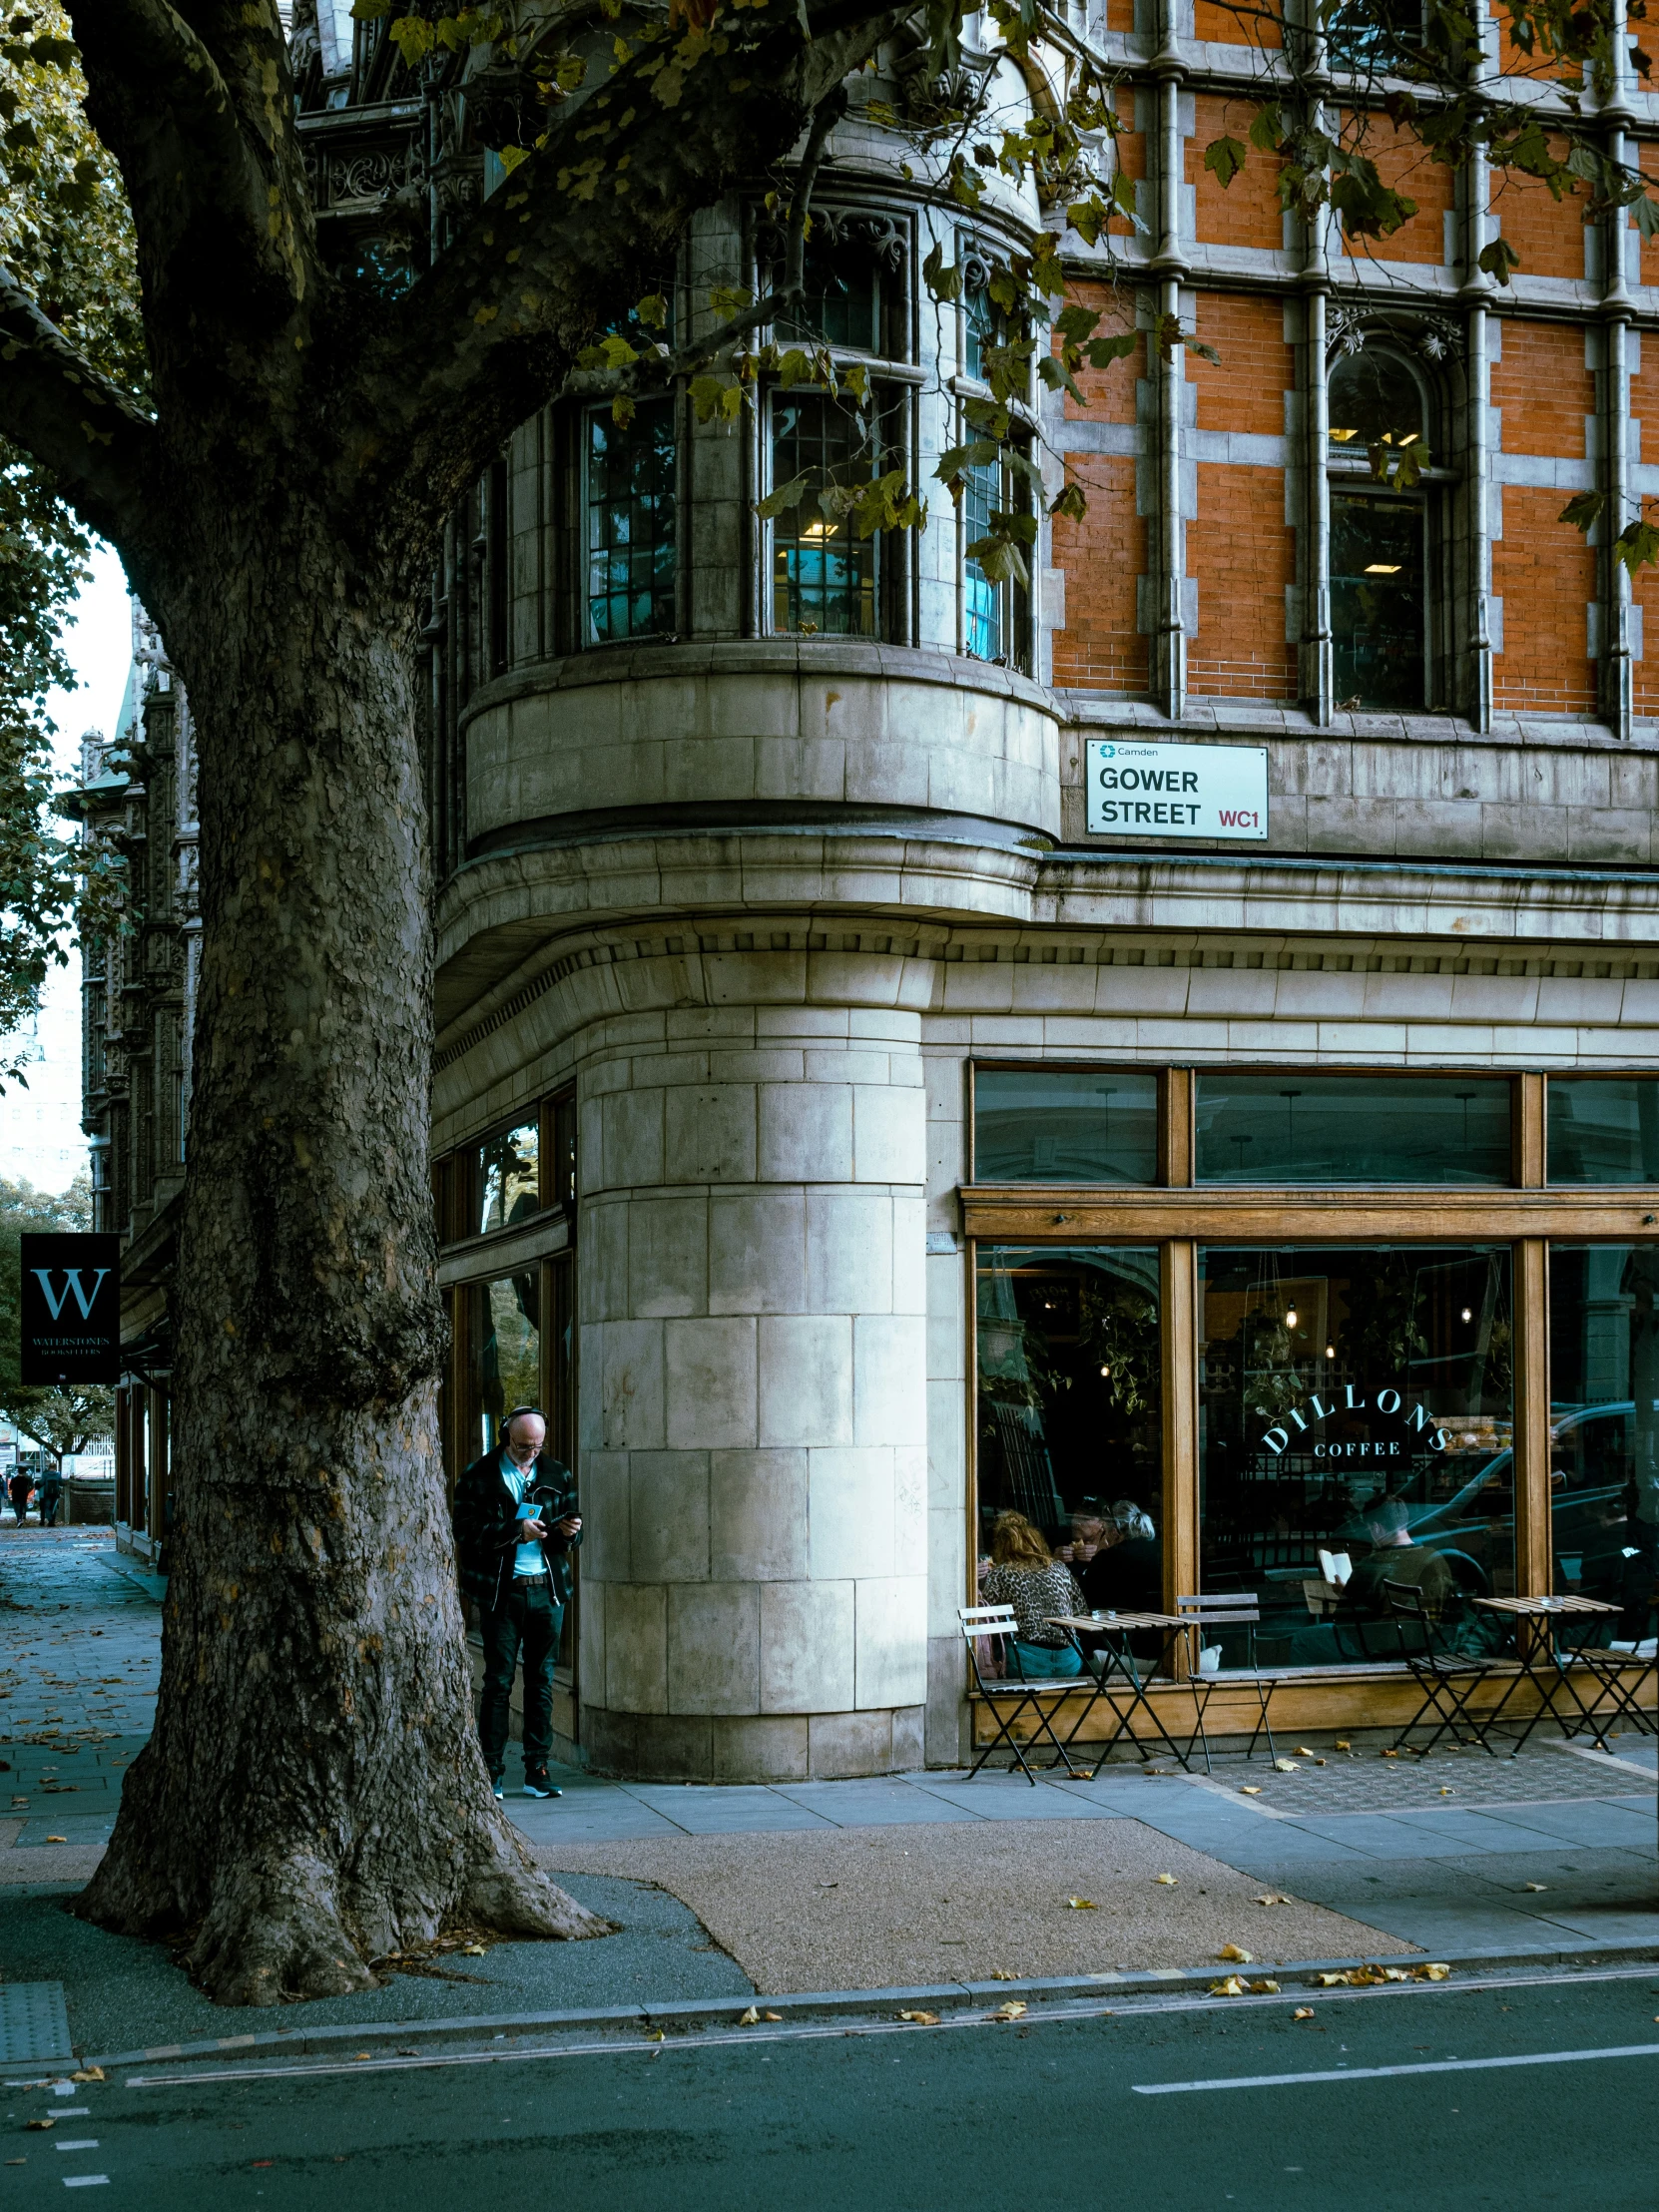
517	1414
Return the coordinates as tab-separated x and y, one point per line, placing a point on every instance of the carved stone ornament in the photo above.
1434	338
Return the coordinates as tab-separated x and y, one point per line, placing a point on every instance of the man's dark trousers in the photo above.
529	1620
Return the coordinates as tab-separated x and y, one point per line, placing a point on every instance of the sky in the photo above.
40	1127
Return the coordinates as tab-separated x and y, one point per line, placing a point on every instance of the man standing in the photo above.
516	1525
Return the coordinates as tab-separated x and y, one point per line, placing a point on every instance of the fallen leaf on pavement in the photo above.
1166	1880
1342	1744
1303	2012
1286	1765
1264	1989
474	1950
1249	1789
40	2123
751	2018
1537	1886
1082	1904
1432	1973
1304	1751
360	2054
1388	1755
88	2073
1271	1897
1012	2010
1445	1792
655	2034
1003	1974
1235	1955
57	1839
1231	1987
922	2019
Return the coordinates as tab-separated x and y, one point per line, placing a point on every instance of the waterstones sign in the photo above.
71	1309
1352	1408
1176	791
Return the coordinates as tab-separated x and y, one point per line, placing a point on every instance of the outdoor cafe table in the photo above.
1540	1664
1114	1630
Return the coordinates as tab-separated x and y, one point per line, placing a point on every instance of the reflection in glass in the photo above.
842	283
824	573
1069	1379
1604	1129
1065	1124
630	524
1355	1425
1374	398
1373	37
1299	1128
1605	1428
981	598
508	1187
1378	601
503	1336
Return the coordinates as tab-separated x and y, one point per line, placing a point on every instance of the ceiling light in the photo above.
1290	1318
1468	1313
1331	1352
1381	568
1105	1371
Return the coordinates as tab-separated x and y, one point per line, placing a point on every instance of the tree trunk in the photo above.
313	1796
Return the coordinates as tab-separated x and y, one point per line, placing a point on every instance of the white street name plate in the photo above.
1176	791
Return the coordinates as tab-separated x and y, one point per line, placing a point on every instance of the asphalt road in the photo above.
975	2118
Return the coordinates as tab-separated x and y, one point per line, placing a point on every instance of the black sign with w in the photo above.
71	1309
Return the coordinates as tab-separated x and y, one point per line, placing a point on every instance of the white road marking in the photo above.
1384	2073
86	2181
89	2142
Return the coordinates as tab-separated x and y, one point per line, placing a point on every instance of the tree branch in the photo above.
73	420
209	159
564	250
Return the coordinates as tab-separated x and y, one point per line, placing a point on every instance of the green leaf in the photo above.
1584	509
1224	157
1071	505
1498	260
1637	546
622	410
730	300
1075	323
653	311
1203	352
55	53
1267	130
1102	352
944	283
776	502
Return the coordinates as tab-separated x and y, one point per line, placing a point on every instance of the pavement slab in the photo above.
906	1905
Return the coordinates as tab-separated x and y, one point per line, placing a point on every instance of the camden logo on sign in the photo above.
71	1309
1410	1428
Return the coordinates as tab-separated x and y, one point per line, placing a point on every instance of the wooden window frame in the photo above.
1178	1216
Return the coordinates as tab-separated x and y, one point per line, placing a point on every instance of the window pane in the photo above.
1356	1402
1604	1429
1068	1401
980	330
1375	35
843	299
1374	398
630	524
503	1337
981	598
1604	1131
824	573
1378	603
1064	1126
1296	1128
509	1177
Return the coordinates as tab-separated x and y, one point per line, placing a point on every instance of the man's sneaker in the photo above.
497	1786
537	1785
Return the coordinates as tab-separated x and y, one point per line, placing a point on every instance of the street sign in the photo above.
1176	791
71	1309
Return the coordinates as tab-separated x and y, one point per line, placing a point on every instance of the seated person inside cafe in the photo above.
1126	1575
516	1525
1026	1574
1394	1557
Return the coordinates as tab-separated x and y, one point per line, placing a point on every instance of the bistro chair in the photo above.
1448	1678
1012	1700
1217	1610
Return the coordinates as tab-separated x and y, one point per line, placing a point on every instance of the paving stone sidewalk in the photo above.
1553	1851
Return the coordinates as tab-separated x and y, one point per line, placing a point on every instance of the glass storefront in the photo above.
1060	1125
1355	1423
1604	1427
1603	1129
503	1342
1069	1385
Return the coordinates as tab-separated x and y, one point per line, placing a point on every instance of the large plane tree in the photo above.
275	480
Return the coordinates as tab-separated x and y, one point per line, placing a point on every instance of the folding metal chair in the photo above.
1227	1609
1609	1668
1448	1678
1008	1700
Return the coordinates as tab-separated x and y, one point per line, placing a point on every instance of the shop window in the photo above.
1604	1129
1065	1125
1378	408
630	524
997	616
1604	1429
1068	1403
507	1182
825	576
1373	37
561	1190
852	294
1298	1128
502	1328
1355	1426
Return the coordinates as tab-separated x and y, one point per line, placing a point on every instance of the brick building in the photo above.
1178	1033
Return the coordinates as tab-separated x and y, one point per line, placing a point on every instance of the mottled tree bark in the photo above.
313	1796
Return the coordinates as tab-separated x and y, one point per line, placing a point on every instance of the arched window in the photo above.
1378	410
